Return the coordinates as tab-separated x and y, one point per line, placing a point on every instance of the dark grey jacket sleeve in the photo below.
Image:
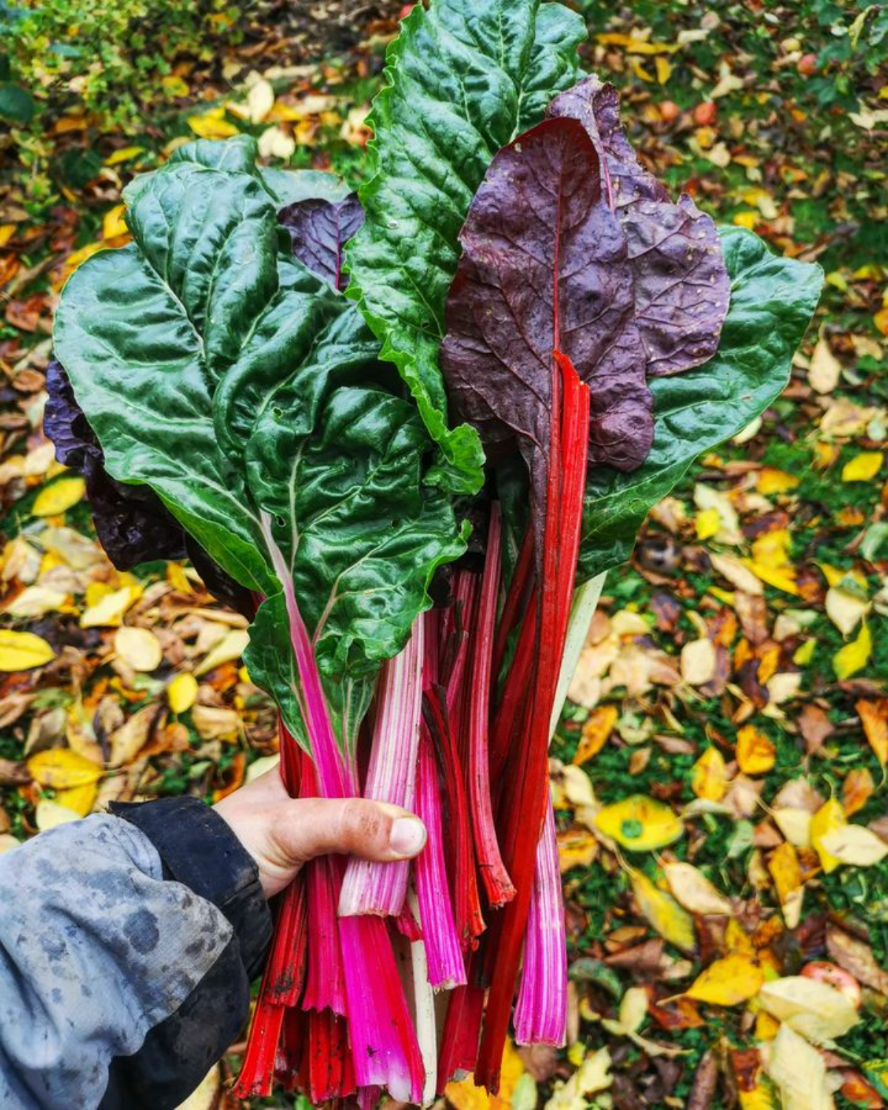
126	950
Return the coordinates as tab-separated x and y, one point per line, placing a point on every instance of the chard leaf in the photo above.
208	239
338	465
681	284
772	301
238	155
341	475
135	360
463	79
235	397
319	230
544	268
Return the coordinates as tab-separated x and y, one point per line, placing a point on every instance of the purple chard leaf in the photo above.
319	230
545	266
682	287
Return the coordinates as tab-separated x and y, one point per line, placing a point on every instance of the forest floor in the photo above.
735	675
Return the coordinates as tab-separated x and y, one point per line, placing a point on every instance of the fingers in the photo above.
310	827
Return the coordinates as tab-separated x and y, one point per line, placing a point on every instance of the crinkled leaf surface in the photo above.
772	301
463	79
319	230
544	267
186	373
681	283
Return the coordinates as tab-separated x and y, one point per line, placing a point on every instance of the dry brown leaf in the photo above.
127	741
856	957
214	723
698	662
815	727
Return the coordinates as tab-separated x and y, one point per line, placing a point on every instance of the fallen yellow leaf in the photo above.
664	69
35	601
863	467
63	769
663	912
795	824
854	844
809	1007
639	823
49	815
727	982
709	776
139	647
799	1072
694	891
770	481
854	657
827	819
212	125
825	369
787	875
755	751
80	799
182	692
707	523
20	651
57	498
125	154
114	224
108	610
232	646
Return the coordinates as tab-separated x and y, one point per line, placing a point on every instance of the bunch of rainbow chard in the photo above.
408	431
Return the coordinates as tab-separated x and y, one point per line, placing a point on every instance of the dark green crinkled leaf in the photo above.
772	301
238	155
198	347
463	79
135	361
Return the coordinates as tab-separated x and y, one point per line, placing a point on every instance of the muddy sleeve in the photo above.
127	944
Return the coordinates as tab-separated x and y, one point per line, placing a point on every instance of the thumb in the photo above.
310	827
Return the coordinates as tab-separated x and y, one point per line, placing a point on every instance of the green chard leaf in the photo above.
772	301
463	79
236	383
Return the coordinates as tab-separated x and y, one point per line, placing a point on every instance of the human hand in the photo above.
282	833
